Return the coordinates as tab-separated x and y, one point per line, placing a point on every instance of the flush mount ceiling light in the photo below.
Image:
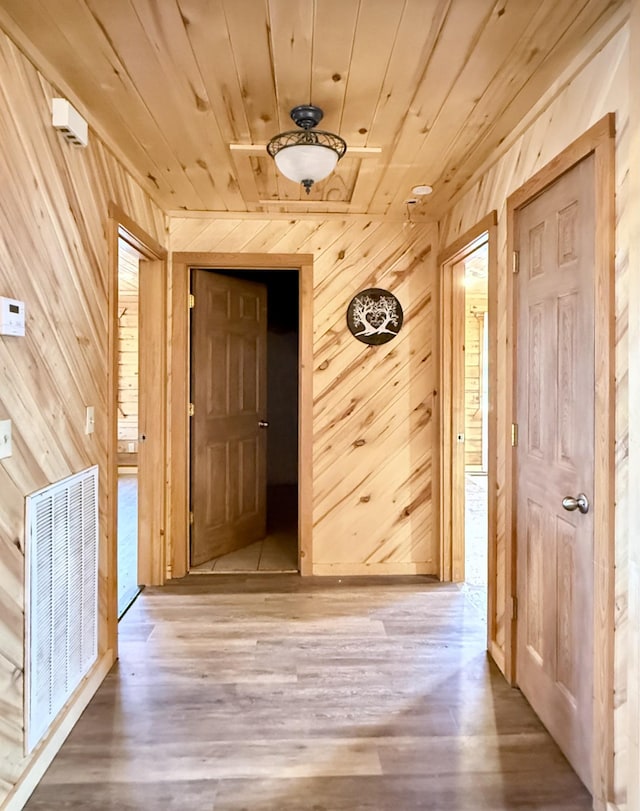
306	155
422	189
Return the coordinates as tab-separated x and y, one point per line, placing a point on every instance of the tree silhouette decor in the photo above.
374	316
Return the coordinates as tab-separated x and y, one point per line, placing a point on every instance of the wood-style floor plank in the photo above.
276	693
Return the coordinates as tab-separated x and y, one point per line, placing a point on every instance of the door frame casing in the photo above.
179	376
121	225
449	517
599	140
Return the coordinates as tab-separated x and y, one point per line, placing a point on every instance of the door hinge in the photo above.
191	517
192	301
514	434
514	608
192	409
515	262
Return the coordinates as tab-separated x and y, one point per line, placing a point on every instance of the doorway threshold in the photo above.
276	553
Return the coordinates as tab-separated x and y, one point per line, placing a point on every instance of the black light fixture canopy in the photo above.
306	116
306	155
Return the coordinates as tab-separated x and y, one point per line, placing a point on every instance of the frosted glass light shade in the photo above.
306	162
306	155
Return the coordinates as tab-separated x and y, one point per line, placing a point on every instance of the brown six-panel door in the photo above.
555	237
228	391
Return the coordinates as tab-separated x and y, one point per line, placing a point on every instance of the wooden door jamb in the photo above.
483	232
179	371
120	225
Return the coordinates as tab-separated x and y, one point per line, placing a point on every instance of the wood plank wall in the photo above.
373	406
128	374
599	87
128	333
476	302
53	256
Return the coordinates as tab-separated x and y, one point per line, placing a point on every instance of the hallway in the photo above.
276	693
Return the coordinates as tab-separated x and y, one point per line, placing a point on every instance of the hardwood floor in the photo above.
277	693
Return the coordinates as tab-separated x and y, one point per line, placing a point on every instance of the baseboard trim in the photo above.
47	750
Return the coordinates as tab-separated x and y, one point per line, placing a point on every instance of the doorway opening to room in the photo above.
244	456
467	363
476	419
127	419
137	435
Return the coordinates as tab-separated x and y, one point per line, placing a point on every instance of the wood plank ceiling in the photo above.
435	85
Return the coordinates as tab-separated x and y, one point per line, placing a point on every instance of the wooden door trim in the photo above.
136	236
599	140
178	377
446	259
121	225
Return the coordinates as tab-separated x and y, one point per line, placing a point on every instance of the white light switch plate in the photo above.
5	439
90	420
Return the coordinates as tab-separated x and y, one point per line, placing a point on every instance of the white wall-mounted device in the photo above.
70	123
11	316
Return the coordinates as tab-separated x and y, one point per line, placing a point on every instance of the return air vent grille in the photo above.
62	596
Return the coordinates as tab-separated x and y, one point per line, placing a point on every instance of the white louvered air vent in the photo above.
62	596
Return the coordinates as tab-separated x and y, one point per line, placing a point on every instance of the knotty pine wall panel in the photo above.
128	333
600	87
53	256
476	300
373	406
128	338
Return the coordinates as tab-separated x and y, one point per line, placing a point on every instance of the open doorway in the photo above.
136	470
476	419
467	419
127	419
244	428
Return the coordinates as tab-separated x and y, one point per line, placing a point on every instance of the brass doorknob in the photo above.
263	423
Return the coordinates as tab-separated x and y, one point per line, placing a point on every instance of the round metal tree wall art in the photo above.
374	316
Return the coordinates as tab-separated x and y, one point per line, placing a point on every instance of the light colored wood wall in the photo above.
373	406
53	255
128	335
128	374
578	99
476	304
